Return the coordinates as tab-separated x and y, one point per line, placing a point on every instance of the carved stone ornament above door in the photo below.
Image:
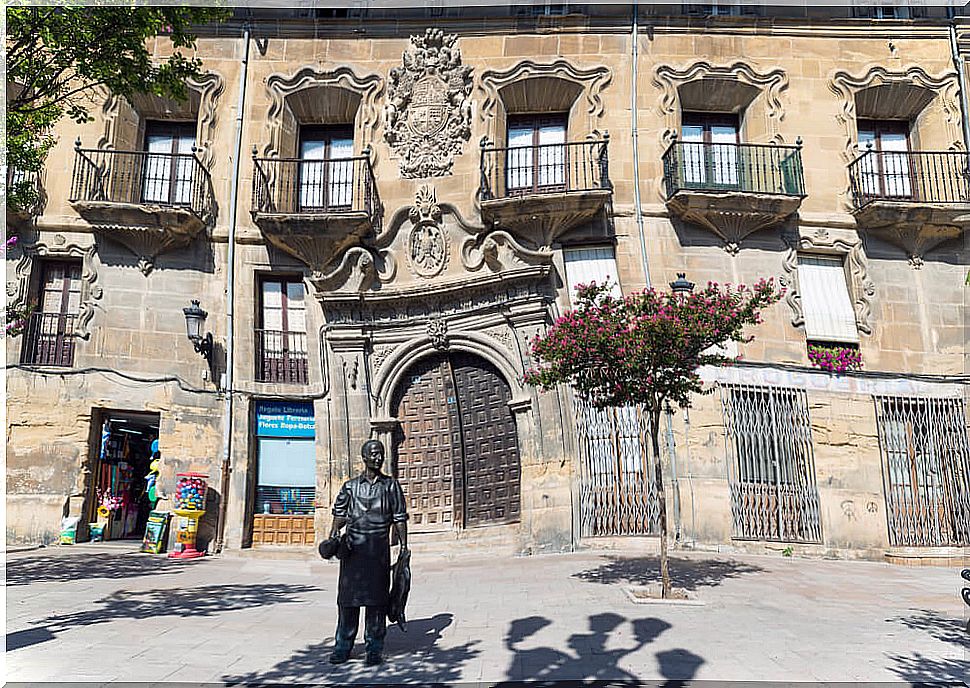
427	117
427	246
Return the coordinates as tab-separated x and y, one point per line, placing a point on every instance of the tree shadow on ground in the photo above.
588	656
918	668
412	657
689	574
206	600
73	567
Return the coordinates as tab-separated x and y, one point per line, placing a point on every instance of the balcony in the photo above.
149	202
915	201
49	339
24	198
281	357
545	190
314	209
733	190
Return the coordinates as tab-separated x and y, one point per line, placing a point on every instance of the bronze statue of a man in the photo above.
368	505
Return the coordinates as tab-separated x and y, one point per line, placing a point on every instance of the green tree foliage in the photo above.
646	349
62	60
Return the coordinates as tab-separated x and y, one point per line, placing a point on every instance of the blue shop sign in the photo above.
285	419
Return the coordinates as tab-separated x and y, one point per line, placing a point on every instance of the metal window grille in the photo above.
926	470
618	492
771	468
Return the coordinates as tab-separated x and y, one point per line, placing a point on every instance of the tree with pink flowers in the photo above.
646	348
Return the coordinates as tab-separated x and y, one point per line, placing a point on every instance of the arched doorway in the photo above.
456	448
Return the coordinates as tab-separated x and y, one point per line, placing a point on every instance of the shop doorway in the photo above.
121	450
456	449
286	467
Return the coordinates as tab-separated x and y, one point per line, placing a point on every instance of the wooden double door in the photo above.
456	448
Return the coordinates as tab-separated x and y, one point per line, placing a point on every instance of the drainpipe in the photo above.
230	294
962	82
675	485
636	146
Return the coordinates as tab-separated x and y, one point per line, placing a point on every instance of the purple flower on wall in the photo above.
835	359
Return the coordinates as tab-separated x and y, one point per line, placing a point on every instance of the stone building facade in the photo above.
418	193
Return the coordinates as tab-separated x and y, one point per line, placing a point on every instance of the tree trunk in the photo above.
661	499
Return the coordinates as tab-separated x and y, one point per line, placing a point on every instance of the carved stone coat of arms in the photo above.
427	117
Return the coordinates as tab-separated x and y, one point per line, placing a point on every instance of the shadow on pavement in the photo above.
72	567
410	657
588	657
205	600
685	573
918	668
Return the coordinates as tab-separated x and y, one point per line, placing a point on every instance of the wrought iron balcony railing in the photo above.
925	177
553	168
281	357
744	167
49	339
23	191
142	178
304	186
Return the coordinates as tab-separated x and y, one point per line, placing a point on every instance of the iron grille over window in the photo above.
926	470
618	490
771	468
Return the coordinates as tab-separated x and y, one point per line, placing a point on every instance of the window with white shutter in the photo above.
826	304
591	264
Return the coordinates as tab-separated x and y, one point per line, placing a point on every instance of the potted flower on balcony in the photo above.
835	358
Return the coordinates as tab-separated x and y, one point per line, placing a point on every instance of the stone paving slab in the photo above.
96	615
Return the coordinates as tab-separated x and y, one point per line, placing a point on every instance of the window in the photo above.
720	9
771	471
889	11
542	9
826	304
926	470
591	264
326	176
281	340
536	157
49	336
886	171
168	166
711	150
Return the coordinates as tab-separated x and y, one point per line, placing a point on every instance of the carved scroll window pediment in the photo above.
730	88
28	260
930	102
846	245
298	98
558	86
123	119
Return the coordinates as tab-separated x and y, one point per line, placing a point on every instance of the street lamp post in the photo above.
682	288
194	323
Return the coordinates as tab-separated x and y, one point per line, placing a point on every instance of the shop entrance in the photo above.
122	453
456	449
286	475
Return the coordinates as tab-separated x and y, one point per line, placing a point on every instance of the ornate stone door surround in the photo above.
373	339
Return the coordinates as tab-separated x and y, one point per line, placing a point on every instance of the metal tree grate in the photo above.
771	468
926	470
618	494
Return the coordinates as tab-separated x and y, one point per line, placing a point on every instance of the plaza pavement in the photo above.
104	613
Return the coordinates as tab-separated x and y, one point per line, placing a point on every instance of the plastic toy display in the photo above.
190	491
